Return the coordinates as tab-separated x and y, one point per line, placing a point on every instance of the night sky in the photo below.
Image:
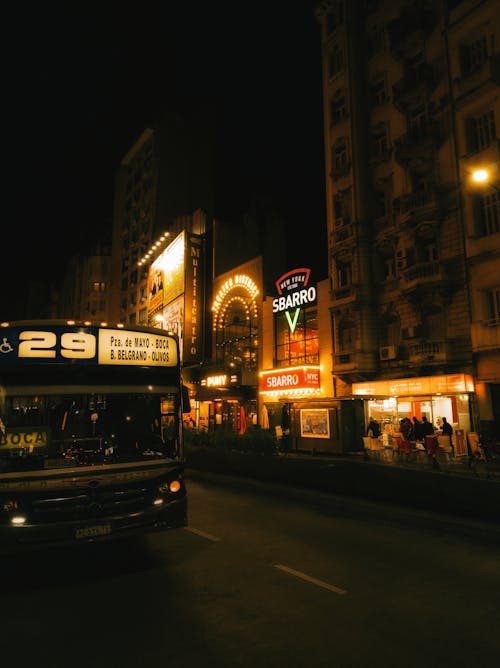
83	80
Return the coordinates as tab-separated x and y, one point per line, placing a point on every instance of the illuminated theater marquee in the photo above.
231	291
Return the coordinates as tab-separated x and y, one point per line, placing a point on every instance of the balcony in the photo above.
485	335
344	361
341	170
427	352
344	294
421	275
417	210
416	84
342	237
416	149
481	80
354	366
482	248
410	29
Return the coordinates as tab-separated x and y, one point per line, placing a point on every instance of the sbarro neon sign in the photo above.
294	293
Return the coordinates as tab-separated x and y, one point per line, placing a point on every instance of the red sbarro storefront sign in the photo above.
297	378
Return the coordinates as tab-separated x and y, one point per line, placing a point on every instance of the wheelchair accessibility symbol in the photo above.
5	346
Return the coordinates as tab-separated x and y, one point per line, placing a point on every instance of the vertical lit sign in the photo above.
193	309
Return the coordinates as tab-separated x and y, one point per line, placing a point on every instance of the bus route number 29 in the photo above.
72	345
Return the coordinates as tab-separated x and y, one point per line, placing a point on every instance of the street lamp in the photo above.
482	177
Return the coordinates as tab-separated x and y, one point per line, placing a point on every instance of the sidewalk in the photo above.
461	466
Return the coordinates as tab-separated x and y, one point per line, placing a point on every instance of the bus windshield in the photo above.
71	429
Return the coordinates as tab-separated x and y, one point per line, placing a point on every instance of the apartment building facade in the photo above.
162	186
411	111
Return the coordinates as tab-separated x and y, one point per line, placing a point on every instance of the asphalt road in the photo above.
259	579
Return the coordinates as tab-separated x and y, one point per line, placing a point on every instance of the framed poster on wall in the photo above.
314	423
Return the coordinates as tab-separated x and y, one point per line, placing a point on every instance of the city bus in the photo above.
90	433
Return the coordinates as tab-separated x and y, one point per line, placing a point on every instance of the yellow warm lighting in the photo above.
18	520
174	486
480	176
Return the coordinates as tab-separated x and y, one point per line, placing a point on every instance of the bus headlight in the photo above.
18	520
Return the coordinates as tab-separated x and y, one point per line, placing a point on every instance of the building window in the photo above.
377	39
338	107
98	286
493	301
335	61
473	55
340	156
430	252
436	325
335	16
344	273
418	123
346	336
297	340
389	269
488	215
380	141
382	203
236	339
390	330
378	88
481	132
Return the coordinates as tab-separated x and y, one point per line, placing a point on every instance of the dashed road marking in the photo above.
308	578
203	534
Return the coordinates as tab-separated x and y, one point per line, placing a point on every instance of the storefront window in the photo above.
297	339
237	338
388	412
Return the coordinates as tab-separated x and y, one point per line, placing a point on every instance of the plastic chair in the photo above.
404	447
445	447
431	444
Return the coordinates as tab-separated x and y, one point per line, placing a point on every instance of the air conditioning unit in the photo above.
387	352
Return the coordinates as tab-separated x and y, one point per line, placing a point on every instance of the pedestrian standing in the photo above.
373	428
427	427
447	430
418	432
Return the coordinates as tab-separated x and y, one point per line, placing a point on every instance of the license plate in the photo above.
90	532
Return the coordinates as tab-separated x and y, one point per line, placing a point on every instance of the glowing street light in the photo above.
480	176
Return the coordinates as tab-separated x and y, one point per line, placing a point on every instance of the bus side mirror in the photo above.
186	403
